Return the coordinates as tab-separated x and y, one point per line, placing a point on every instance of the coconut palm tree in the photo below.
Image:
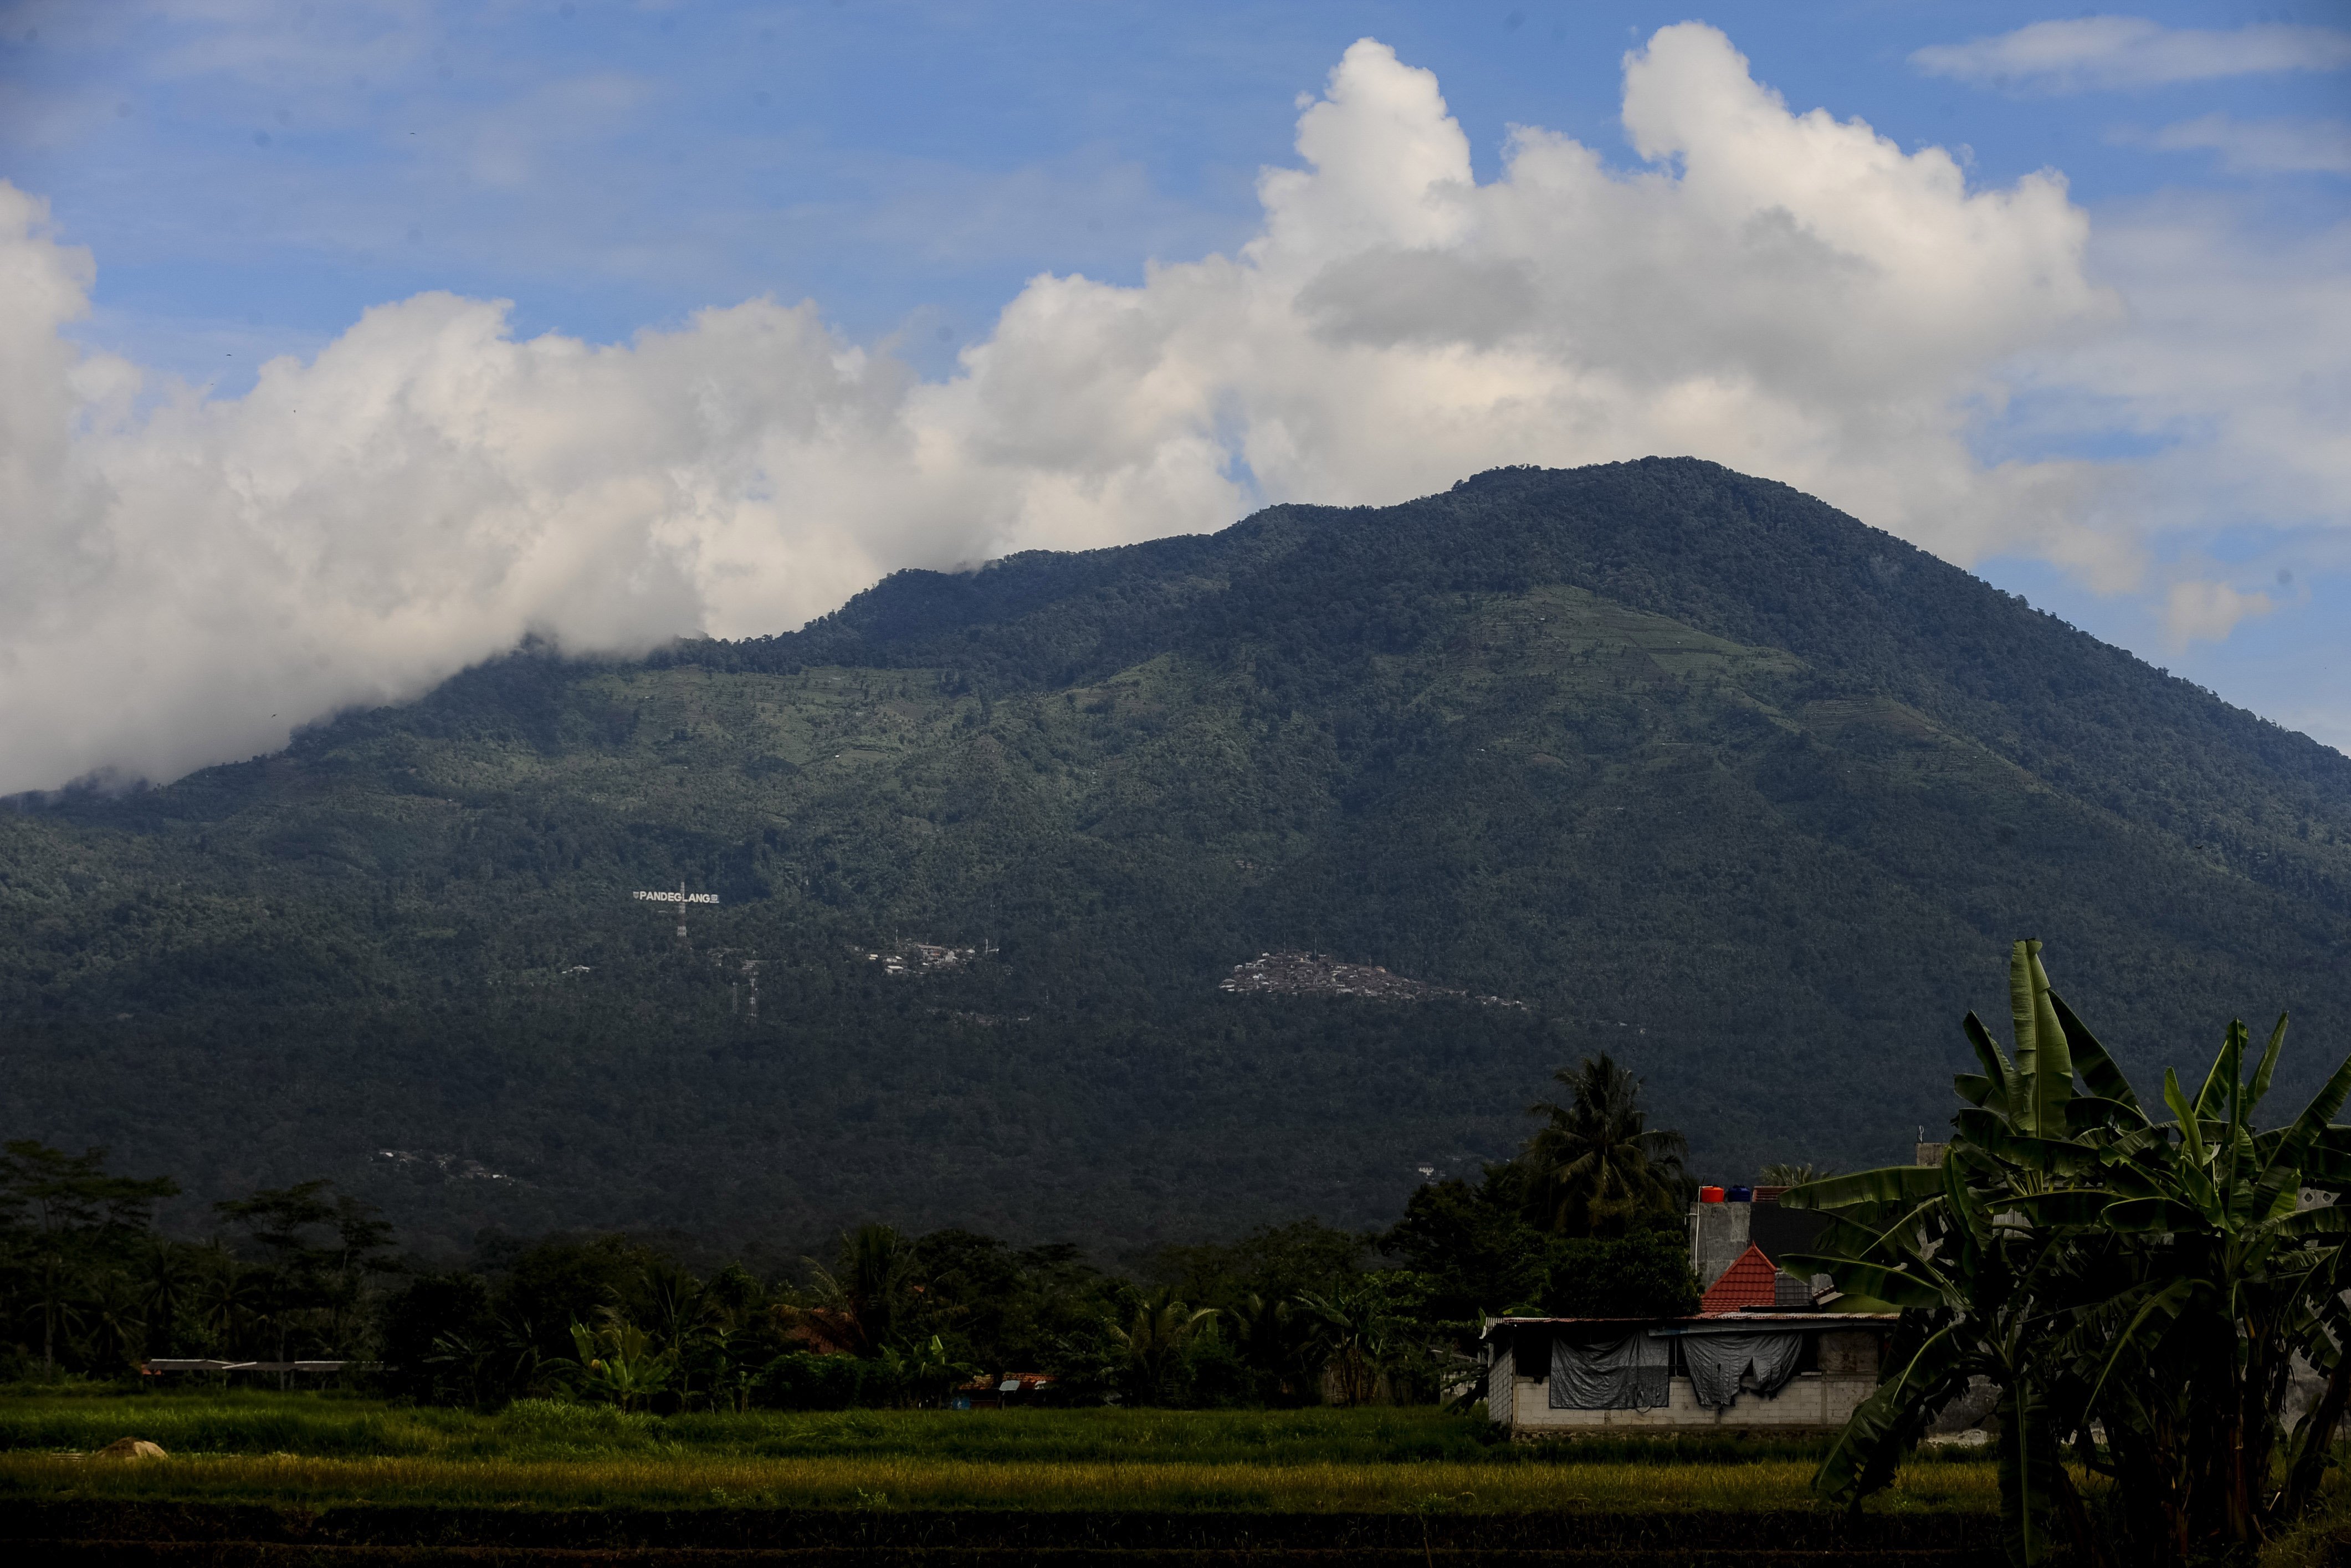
1276	1340
862	1297
679	1311
1598	1167
223	1300
1155	1337
70	1216
169	1275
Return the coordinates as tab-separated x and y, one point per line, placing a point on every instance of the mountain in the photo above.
1698	769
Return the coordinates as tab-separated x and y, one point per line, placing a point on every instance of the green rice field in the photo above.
262	1447
321	1477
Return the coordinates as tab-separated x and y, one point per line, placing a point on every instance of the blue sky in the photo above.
903	164
251	180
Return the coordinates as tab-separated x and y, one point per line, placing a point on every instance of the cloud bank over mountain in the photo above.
1788	294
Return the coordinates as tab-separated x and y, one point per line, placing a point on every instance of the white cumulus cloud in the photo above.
2094	52
1786	293
2263	146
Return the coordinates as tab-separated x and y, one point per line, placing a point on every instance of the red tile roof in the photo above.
1748	1282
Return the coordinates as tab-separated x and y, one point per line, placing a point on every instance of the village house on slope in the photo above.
1758	1355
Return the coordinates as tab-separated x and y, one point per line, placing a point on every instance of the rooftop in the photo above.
1752	1281
1744	1320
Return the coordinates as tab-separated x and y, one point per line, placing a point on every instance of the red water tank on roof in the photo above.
1710	1195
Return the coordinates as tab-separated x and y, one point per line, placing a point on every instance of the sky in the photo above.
351	343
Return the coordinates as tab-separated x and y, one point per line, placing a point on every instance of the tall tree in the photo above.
316	1248
1597	1167
1276	1340
1154	1337
62	1214
864	1294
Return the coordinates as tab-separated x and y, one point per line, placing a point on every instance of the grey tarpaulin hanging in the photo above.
1635	1373
1717	1360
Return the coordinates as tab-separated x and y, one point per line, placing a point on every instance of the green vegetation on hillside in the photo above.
1286	1317
1704	774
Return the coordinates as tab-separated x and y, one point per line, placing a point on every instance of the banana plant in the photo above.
2108	1274
618	1362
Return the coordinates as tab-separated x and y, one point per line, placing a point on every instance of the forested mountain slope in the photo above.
1703	771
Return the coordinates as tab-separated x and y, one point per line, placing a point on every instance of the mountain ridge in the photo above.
1706	772
1871	559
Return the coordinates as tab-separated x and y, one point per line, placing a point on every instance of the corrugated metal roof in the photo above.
1728	1322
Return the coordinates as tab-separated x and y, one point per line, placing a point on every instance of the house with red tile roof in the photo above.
1760	1355
1752	1281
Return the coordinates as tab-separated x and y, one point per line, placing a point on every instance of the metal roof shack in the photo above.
1001	1393
1766	1350
1757	1368
158	1364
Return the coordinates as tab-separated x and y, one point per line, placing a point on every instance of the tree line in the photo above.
1586	1218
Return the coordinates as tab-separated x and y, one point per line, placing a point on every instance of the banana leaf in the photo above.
1981	1125
2086	1113
1971	1221
2150	1214
2050	1080
1888	1183
2222	1081
2191	1125
2024	1015
2328	1165
2052	1156
1895	1235
1997	1066
2284	1171
1849	1237
2091	1065
1982	1092
2325	1220
2067	1205
2261	1075
2153	1311
1871	1446
1892	1286
2129	1181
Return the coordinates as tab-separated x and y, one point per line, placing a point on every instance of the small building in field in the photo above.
1760	1353
1010	1390
1759	1370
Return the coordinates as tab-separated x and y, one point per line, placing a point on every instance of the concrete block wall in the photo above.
1808	1400
1849	1352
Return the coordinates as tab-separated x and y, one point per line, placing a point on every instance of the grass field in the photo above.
320	1449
